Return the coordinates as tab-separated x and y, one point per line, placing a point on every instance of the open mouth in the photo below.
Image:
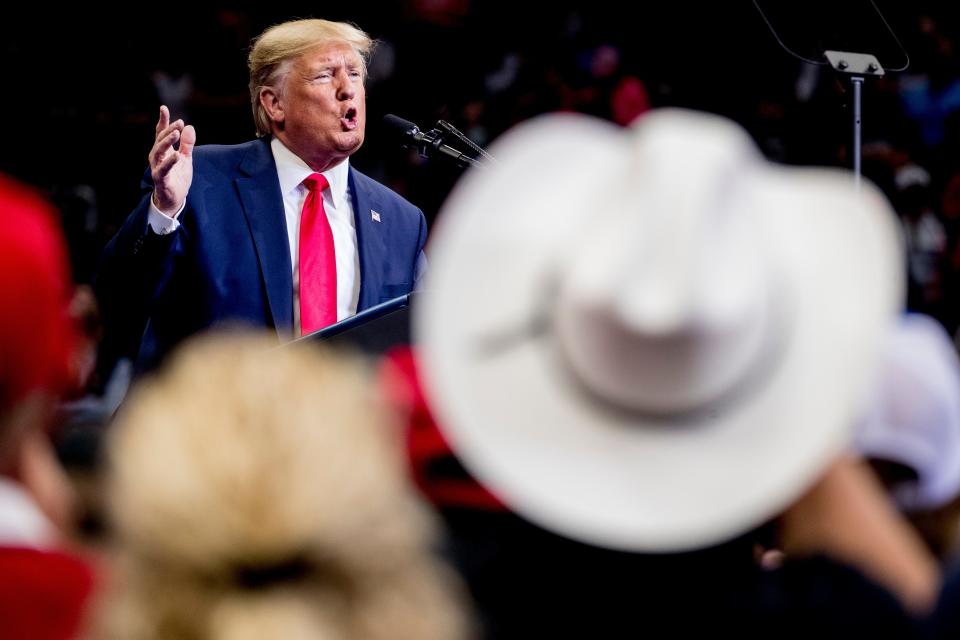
349	119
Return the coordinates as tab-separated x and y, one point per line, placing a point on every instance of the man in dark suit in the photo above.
279	232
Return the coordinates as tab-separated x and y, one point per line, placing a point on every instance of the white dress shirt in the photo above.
22	524
291	172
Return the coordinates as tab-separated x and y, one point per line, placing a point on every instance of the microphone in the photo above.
429	143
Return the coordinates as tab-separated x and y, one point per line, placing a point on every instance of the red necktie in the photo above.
318	261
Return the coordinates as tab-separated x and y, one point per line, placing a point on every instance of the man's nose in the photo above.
346	88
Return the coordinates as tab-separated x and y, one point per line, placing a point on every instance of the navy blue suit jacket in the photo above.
229	262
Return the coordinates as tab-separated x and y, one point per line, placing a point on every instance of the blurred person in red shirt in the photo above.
43	588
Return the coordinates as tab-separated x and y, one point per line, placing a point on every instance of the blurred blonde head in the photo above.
260	493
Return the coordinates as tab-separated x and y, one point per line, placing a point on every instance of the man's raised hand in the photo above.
171	169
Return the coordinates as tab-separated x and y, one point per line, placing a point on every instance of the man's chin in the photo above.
348	142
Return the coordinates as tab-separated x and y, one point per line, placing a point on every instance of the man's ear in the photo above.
270	101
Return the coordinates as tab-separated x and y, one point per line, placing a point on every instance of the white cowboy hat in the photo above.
652	339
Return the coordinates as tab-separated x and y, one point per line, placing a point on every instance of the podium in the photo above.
373	331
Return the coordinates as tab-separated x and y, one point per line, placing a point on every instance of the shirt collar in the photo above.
292	170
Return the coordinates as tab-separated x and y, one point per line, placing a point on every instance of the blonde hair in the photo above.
276	47
260	492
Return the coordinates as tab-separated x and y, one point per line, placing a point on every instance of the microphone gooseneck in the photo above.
429	143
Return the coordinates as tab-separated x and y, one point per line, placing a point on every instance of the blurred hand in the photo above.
45	480
847	515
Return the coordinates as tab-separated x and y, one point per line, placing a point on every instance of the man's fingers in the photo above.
164	120
163	167
177	125
162	146
187	139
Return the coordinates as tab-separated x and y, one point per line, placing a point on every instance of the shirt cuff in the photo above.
160	223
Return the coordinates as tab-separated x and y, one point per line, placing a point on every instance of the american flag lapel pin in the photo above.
375	215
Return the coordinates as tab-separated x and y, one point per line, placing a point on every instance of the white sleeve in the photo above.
163	224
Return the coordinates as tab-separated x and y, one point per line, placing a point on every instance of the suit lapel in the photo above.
259	191
370	243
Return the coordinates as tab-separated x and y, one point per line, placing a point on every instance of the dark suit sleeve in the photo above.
135	268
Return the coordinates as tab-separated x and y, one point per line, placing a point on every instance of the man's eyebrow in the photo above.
331	63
